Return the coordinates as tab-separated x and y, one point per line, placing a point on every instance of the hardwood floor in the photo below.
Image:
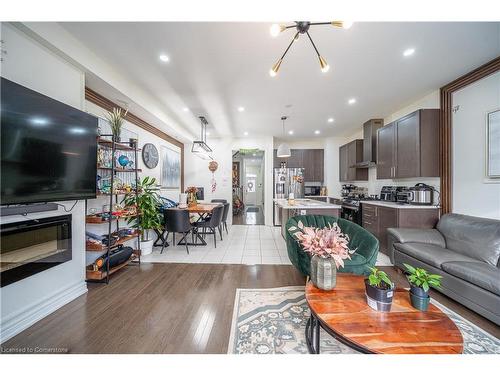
169	308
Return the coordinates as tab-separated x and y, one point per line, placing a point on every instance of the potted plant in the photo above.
328	247
115	119
379	290
420	282
149	216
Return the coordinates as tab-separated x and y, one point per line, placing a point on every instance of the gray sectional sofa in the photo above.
465	250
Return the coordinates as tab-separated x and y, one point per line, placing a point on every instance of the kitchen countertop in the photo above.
397	205
305	204
322	196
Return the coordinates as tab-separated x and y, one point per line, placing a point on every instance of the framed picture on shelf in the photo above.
493	145
170	168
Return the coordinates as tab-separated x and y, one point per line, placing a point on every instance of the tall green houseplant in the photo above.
148	201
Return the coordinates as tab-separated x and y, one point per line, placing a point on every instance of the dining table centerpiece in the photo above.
328	247
191	196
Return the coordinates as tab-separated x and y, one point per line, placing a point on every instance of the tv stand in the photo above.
24	209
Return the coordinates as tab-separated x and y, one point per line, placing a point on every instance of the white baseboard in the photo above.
18	322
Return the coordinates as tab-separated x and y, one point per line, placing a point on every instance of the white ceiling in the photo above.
216	67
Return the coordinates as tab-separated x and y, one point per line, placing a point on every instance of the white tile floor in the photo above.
245	244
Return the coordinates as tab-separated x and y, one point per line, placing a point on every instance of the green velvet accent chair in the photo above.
365	243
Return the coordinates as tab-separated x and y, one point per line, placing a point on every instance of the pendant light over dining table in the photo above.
200	148
283	148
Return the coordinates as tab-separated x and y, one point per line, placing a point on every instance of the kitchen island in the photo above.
303	207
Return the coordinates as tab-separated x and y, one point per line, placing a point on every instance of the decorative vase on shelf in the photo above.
323	272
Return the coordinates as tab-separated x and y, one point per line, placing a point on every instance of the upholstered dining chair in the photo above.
365	244
177	221
211	224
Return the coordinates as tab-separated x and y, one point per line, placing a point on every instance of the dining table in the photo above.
202	210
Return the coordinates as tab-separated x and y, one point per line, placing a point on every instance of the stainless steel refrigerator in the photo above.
286	181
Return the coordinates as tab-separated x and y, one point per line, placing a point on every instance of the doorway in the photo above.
248	187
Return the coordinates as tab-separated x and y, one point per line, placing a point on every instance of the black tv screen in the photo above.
48	149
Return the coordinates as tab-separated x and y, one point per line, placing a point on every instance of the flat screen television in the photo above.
48	149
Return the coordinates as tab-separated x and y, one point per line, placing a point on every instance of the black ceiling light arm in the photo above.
287	48
314	45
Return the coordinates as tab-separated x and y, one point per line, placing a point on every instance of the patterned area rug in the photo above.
272	321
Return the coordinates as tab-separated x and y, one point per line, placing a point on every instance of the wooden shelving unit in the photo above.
102	274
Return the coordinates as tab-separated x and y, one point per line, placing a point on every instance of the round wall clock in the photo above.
150	155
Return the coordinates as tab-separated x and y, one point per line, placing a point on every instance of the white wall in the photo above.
196	171
27	301
473	193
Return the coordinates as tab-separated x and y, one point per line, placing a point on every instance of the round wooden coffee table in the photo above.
344	314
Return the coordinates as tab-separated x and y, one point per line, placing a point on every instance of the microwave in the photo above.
312	190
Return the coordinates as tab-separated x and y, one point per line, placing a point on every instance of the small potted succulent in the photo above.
328	247
420	282
379	290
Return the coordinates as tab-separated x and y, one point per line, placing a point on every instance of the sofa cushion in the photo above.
483	275
431	254
475	237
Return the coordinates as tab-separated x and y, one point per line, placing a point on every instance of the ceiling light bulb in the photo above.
164	58
290	132
208	134
276	29
352	101
316	132
324	65
276	67
185	109
330	119
241	109
245	133
347	24
408	52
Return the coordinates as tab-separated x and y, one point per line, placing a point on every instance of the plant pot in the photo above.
146	247
323	273
378	299
418	291
420	303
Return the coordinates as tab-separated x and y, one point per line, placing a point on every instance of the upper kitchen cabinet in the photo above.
409	147
312	160
350	155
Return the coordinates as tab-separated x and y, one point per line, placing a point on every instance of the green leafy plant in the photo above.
379	279
421	278
115	119
148	202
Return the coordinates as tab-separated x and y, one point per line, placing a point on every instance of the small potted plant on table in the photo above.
149	216
420	282
328	247
379	290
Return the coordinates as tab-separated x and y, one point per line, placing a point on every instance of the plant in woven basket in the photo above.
116	117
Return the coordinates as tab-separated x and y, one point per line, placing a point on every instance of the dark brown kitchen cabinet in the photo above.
409	147
350	154
312	160
386	140
377	219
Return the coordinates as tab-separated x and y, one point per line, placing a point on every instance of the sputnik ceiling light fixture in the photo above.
284	148
302	27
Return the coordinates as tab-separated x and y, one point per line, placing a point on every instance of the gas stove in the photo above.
351	207
354	200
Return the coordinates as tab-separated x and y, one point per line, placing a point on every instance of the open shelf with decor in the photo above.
108	252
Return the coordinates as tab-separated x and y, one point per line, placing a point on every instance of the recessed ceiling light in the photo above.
316	132
207	133
408	52
245	133
290	132
185	109
164	58
351	101
331	119
241	109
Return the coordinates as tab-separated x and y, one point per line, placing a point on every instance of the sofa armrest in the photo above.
427	236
